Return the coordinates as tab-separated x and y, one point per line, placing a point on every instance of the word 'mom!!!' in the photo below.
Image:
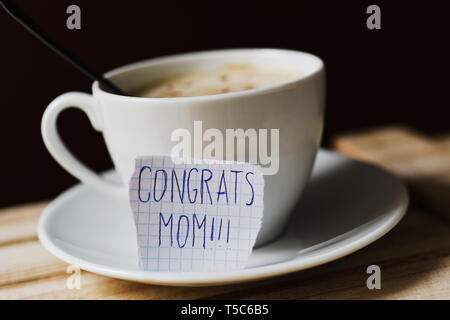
198	224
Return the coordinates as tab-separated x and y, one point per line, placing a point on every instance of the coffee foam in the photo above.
230	78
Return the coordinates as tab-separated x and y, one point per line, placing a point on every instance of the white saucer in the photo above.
347	205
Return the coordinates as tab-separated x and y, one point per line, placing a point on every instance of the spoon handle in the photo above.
41	35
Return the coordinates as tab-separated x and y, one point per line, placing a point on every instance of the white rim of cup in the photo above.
97	90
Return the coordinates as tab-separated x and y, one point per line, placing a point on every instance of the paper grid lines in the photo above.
225	233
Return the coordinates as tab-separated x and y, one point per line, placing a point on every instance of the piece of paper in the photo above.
195	217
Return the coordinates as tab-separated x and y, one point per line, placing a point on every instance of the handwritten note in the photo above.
195	217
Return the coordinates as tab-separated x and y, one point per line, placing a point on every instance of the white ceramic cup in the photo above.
135	126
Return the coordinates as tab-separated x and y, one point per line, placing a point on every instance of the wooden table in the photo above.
414	260
414	257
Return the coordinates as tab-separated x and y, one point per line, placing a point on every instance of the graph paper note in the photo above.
195	217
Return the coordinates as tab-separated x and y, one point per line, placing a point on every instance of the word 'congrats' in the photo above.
195	217
192	182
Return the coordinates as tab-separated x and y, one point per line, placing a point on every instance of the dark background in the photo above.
399	74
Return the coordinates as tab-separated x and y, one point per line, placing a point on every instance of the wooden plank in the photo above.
399	149
444	142
414	259
54	287
423	162
18	223
98	287
27	261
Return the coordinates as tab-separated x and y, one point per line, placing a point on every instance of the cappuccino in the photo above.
230	78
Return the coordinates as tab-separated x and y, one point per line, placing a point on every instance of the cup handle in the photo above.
58	149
